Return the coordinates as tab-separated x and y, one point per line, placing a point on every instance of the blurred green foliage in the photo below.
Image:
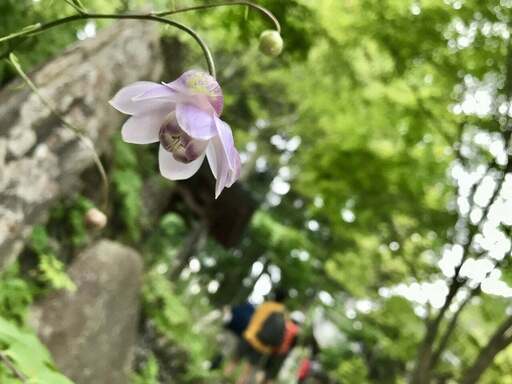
148	374
67	222
50	270
355	124
172	317
15	294
127	187
175	312
19	344
28	356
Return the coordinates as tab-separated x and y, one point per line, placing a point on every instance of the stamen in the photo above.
174	140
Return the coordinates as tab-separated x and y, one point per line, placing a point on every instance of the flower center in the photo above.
174	140
171	143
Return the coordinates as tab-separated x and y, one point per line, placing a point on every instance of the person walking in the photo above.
263	335
280	354
236	321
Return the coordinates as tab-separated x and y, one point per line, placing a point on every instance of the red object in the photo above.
304	369
290	333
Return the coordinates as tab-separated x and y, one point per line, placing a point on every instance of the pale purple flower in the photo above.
184	117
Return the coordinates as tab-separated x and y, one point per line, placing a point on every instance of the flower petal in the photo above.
196	122
124	102
172	169
143	129
198	83
235	173
211	155
226	138
219	165
195	148
158	91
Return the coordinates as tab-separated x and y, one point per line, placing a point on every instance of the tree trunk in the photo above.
422	371
40	160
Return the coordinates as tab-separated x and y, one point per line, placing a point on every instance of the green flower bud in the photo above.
271	43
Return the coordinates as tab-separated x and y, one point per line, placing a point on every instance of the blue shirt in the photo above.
240	317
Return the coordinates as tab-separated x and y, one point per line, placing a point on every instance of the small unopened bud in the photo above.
271	43
96	219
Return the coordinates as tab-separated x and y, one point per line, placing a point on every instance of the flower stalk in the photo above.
39	28
160	17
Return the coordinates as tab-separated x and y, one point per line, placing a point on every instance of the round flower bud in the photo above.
271	43
96	219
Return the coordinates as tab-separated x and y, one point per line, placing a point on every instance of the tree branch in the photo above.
499	341
421	373
451	327
453	321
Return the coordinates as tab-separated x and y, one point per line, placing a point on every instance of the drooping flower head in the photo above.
184	117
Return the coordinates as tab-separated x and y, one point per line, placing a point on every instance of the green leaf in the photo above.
28	355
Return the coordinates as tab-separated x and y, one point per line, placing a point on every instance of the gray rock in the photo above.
91	332
40	159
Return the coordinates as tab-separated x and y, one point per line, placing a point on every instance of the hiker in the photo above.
263	335
239	318
236	321
278	357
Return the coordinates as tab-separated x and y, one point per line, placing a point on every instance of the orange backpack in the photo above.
266	329
290	333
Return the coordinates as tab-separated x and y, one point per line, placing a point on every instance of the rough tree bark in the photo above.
40	160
